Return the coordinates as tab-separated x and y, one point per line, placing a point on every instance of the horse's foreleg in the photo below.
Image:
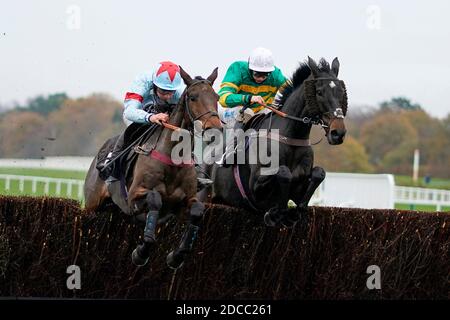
283	181
142	252
317	176
302	200
176	258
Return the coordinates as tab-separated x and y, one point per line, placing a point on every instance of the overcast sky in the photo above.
386	48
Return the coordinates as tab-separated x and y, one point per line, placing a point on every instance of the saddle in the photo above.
132	133
256	121
143	136
142	142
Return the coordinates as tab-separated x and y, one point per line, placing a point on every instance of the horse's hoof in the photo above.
268	220
174	261
137	259
290	218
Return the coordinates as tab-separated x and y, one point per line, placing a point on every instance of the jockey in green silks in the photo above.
249	84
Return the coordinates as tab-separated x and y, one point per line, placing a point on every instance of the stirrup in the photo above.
204	182
110	180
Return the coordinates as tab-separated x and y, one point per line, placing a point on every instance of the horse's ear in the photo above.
186	77
313	66
335	67
213	76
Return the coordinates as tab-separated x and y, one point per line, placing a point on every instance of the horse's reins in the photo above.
163	158
336	114
305	120
168	125
188	110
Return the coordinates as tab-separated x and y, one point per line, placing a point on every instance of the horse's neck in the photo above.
165	144
294	106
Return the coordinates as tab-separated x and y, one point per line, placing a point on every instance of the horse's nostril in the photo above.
338	133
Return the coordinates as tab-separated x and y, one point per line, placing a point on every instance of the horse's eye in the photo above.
319	93
192	98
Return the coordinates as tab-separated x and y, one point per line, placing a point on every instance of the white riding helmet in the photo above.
261	60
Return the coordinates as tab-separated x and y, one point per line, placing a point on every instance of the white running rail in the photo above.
374	191
422	196
322	197
57	182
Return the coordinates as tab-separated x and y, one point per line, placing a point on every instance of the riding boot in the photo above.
109	171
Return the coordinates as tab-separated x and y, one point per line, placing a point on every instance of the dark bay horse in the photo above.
159	186
313	96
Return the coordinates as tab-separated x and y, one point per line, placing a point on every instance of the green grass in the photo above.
40	191
435	183
419	207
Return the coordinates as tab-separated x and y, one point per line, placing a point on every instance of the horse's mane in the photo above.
300	75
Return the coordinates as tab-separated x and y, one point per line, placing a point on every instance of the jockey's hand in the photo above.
258	99
159	117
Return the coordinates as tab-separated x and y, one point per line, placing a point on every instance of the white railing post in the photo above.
21	185
69	189
80	190
58	188
46	186
7	184
33	185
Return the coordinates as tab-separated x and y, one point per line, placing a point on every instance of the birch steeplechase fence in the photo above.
327	255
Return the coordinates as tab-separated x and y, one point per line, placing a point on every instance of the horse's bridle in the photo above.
211	113
306	120
338	113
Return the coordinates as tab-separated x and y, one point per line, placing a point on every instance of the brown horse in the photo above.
159	186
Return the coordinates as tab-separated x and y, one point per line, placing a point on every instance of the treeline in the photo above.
380	140
59	126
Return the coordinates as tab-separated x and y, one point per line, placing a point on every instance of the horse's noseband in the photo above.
338	113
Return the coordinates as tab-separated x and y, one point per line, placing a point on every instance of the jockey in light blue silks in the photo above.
163	86
151	99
